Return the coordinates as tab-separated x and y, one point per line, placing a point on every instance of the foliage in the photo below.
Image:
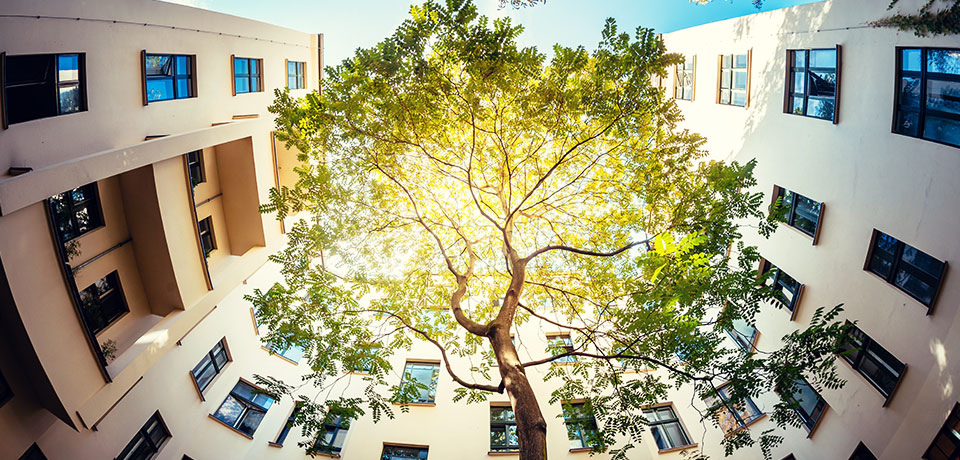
456	186
928	21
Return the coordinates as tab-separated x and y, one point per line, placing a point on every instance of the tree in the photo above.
447	169
927	21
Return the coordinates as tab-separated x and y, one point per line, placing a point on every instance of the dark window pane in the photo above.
943	96
922	261
908	123
69	98
823	84
942	129
910	92
251	420
806	214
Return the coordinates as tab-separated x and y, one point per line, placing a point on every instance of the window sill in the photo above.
581	449
273	444
327	454
677	449
503	453
422	404
230	427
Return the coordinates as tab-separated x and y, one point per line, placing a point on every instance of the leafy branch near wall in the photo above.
944	21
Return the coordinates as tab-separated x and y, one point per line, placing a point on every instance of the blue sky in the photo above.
349	24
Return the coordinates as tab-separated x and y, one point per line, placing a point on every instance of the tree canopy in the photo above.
456	186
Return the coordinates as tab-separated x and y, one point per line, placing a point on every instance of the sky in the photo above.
350	24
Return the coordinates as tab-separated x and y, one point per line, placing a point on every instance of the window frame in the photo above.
780	192
789	87
504	426
211	360
677	69
422	451
336	427
725	406
299	76
899	248
435	383
197	164
584	422
91	204
765	266
733	70
117	290
249	76
855	360
656	425
747	344
248	407
947	430
208	232
922	76
191	76
810	423
142	433
560	340
282	353
80	83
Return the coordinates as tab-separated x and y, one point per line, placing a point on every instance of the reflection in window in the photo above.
295	75
423	377
561	343
76	211
581	426
787	289
813	83
684	81
732	416
799	212
334	433
43	85
928	94
867	357
244	408
293	352
743	334
503	430
665	428
733	79
906	267
146	443
810	406
246	75
169	76
403	453
102	302
211	365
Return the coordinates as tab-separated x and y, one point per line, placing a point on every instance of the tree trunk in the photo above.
531	427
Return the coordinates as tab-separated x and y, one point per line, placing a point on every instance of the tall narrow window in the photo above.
812	86
744	334
946	444
561	343
43	85
928	94
798	211
684	81
809	404
246	75
195	167
295	78
734	79
581	426
332	437
287	426
906	267
211	365
421	379
147	442
732	417
76	211
872	361
33	453
403	453
787	289
168	76
503	429
103	303
862	453
207	241
666	428
244	408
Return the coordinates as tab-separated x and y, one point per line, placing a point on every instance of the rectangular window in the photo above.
5	392
295	78
666	428
734	79
862	453
946	445
211	364
244	408
786	289
744	334
561	343
76	211
798	211
332	437
147	442
364	363
581	426
810	405
876	364
103	303
43	85
246	75
287	426
503	430
207	241
403	453
684	78
740	415
293	353
928	94
906	267
812	83
195	167
168	76
424	376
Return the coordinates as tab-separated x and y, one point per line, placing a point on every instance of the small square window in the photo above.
946	444
684	78
168	76
244	408
246	75
812	85
906	267
76	212
744	335
43	85
211	365
786	289
798	211
666	428
103	302
810	406
421	379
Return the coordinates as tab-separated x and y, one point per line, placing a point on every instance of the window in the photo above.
904	266
665	428
799	212
867	357
195	167
293	353
787	289
102	302
812	83
295	78
581	426
207	241
503	430
246	75
685	75
287	426
734	79
168	76
928	94
5	392
810	406
244	408
862	453
946	445
76	211
43	85
561	343
368	357
332	437
211	365
403	453
424	376
744	334
33	453
732	417
147	442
